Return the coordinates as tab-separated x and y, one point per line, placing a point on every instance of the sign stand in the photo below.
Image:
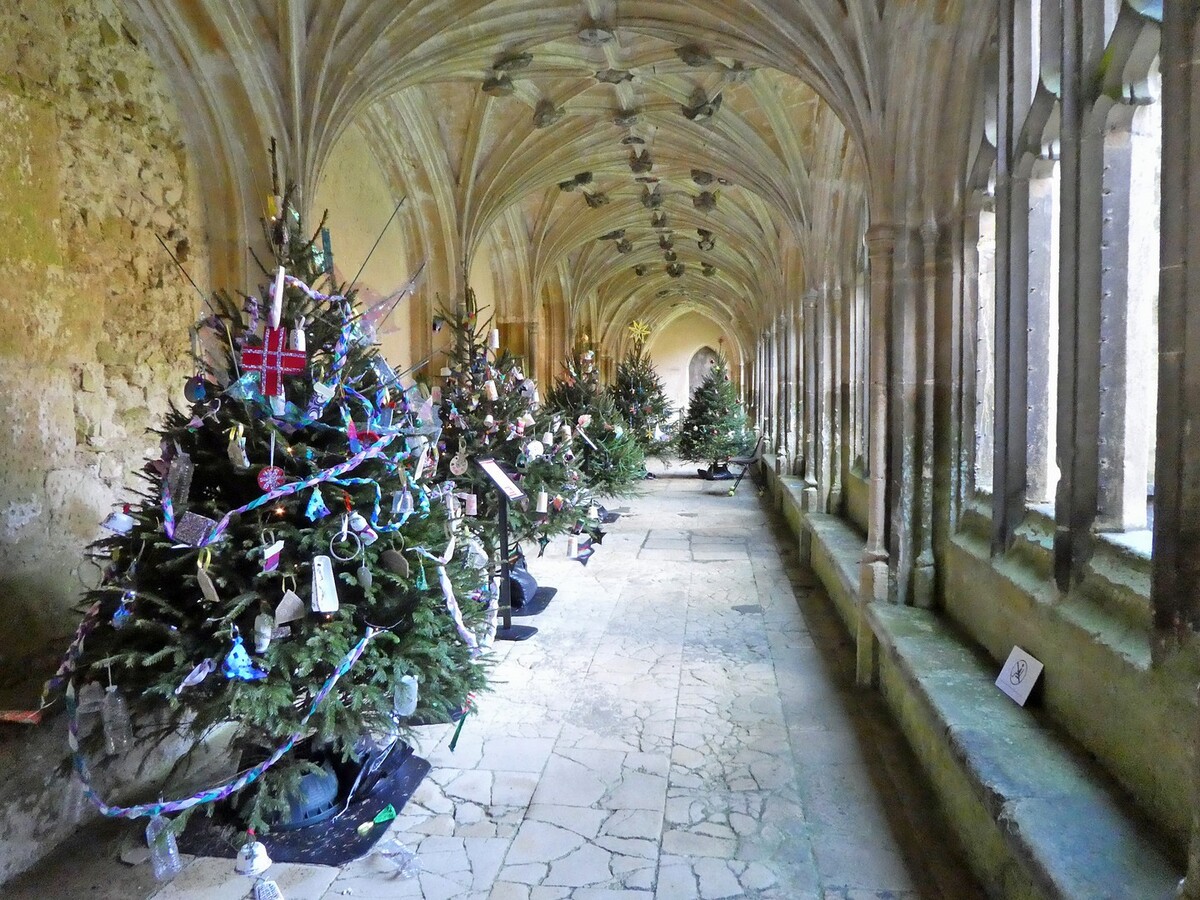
506	490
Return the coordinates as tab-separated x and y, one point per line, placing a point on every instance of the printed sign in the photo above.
1019	674
500	479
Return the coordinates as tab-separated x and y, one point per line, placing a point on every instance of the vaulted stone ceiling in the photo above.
629	159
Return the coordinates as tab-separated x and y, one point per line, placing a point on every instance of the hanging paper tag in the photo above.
207	588
290	608
394	560
237	449
324	585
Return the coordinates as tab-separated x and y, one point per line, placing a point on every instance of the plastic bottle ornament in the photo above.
404	697
402	503
164	852
593	511
528	420
252	858
266	889
470	505
364	576
543	502
494	339
445	372
489	421
361	527
548	439
572	546
74	800
566	432
114	717
489	390
119	522
264	628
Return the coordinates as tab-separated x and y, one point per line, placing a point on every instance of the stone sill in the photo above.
1116	579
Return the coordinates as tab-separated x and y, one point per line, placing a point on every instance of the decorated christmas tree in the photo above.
715	428
490	410
641	399
610	458
291	572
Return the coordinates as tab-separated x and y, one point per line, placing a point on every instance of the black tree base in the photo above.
538	604
716	473
334	842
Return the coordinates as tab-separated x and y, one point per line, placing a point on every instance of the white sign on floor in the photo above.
1019	674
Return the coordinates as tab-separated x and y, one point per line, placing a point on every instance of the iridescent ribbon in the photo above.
214	794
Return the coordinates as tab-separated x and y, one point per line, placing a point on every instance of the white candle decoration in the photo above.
548	439
494	340
572	546
489	389
543	501
471	504
277	299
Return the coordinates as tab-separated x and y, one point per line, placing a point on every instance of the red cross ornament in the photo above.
273	360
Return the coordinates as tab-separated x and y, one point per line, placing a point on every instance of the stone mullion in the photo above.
532	356
1077	497
902	418
841	399
1011	305
810	398
1175	583
923	573
793	362
1175	574
826	410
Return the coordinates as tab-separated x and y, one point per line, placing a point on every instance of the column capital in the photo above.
810	297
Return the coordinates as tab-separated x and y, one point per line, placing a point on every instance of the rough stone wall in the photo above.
93	313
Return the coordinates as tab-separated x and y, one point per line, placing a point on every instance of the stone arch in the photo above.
702	360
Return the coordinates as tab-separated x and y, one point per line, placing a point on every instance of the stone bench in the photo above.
1037	817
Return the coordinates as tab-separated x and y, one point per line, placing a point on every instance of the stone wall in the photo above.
93	312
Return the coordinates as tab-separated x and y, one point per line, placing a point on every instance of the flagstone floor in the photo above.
684	725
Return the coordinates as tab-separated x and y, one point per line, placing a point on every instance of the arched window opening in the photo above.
1129	253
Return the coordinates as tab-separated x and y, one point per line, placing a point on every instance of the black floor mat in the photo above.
539	602
334	842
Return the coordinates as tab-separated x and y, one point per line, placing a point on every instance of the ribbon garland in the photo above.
215	794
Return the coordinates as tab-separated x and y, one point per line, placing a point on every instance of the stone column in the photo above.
841	397
874	572
783	459
532	356
826	373
923	571
811	424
